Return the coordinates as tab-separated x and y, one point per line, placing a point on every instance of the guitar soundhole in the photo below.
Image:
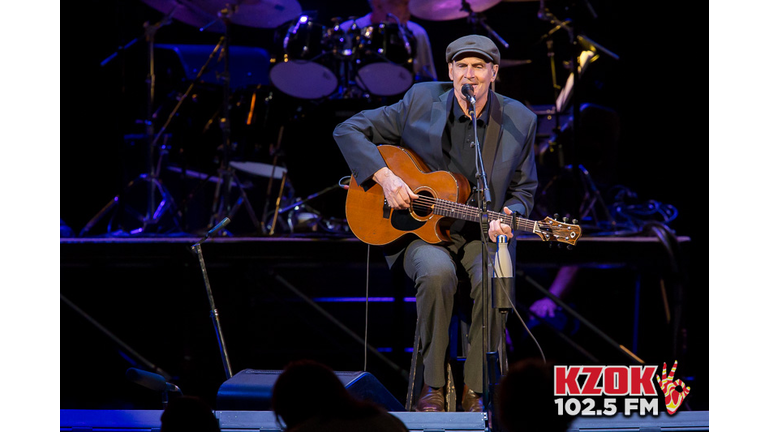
422	207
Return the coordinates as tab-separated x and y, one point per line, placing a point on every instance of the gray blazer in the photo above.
417	122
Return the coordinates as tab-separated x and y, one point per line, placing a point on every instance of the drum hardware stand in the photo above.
301	202
277	203
275	153
181	100
153	212
401	28
591	195
222	207
345	55
474	19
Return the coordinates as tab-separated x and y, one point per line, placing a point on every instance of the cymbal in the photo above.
254	13
187	13
510	63
259	169
446	10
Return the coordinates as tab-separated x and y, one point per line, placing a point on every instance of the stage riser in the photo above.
151	296
264	421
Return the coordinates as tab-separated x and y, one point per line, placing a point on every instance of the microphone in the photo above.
503	276
218	226
150	380
468	92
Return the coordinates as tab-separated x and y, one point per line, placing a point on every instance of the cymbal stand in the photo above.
571	94
154	212
276	152
222	207
474	19
558	112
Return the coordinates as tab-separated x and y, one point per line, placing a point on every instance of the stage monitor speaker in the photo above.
251	390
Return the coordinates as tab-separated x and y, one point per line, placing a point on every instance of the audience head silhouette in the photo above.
525	398
309	396
188	414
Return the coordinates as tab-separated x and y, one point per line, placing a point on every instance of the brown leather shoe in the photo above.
431	399
471	401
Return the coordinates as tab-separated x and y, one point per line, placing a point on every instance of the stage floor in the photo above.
262	421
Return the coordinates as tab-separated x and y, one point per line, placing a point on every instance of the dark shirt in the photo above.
458	152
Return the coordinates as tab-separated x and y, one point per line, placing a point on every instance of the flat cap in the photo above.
473	44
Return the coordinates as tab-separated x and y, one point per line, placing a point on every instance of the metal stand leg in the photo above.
147	221
223	209
138	358
576	315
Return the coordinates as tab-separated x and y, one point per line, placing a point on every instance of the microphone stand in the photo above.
483	198
214	313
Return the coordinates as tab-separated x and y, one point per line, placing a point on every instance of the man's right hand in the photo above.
396	191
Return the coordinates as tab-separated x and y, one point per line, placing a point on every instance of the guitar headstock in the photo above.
552	230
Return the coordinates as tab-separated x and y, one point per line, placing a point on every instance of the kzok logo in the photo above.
583	383
616	381
606	382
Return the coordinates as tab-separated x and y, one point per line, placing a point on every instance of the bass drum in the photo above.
385	64
305	70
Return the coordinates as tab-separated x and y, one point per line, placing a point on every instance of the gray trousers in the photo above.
433	271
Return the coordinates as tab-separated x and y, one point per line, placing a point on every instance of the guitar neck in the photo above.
472	214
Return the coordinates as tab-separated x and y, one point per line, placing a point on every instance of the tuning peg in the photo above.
559	245
550	245
557	216
565	219
569	247
575	221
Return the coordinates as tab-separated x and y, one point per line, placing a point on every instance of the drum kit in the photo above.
313	60
318	61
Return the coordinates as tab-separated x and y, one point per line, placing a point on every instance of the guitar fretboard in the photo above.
465	212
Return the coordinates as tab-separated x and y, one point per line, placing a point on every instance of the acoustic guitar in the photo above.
440	203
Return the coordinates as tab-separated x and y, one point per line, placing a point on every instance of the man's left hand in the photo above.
496	228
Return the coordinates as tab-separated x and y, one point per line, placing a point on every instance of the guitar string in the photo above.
447	209
471	213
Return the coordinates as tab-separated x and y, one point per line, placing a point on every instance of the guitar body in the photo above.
374	222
